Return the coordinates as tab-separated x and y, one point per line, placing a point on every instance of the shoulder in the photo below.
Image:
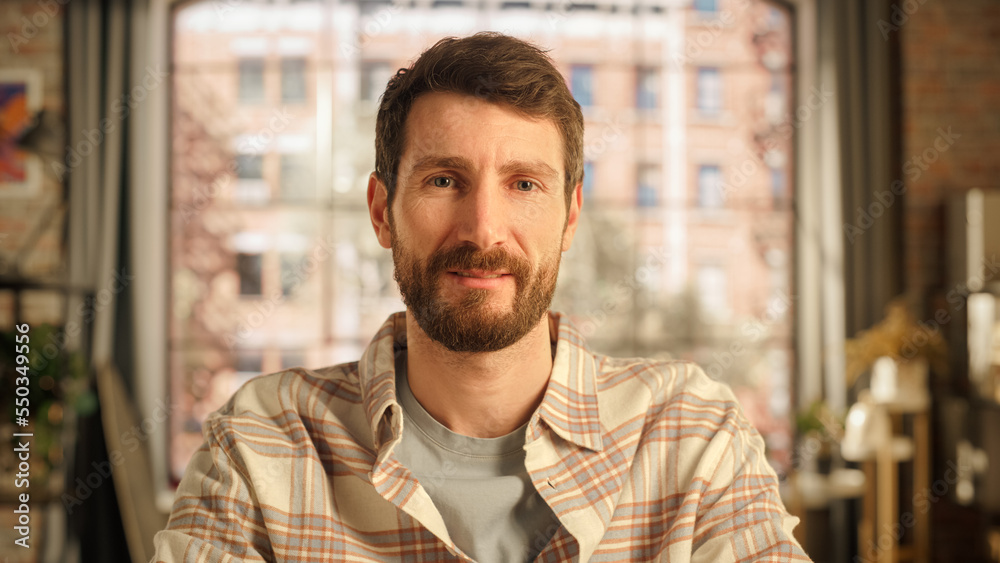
679	415
287	403
660	381
294	388
671	394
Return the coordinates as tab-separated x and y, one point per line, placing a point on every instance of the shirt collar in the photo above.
569	407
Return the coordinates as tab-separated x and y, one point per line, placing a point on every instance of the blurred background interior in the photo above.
801	196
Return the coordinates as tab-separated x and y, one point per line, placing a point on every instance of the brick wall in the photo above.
950	83
31	37
950	54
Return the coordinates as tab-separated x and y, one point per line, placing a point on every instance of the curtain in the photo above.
868	95
115	90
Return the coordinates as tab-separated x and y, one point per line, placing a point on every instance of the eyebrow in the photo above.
465	165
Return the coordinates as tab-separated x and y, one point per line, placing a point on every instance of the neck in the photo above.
482	395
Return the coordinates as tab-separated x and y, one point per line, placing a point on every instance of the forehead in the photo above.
450	124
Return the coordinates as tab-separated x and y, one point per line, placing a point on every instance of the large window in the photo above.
273	259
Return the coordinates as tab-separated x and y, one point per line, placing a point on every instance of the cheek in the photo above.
425	225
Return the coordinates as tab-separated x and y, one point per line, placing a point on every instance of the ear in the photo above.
573	217
378	210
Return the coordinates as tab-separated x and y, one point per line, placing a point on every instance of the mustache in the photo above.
468	257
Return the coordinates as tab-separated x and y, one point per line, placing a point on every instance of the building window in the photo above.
713	291
778	187
709	94
225	94
250	166
293	358
293	80
249	361
369	7
706	6
374	77
297	180
588	178
250	185
249	268
649	186
251	77
291	272
647	88
710	194
582	84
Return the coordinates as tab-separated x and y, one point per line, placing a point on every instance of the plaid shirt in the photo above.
639	460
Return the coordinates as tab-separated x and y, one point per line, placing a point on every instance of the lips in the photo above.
475	268
479	274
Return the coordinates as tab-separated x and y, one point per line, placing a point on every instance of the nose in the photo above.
482	216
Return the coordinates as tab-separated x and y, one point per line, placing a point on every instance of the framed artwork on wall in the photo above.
20	101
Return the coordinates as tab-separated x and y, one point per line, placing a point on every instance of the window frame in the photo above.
587	89
817	181
302	80
242	94
709	95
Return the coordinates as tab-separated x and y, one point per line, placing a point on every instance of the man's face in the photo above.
478	222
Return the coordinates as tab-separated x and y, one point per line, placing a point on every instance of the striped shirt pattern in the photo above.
640	460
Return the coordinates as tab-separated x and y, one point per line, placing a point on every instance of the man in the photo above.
477	426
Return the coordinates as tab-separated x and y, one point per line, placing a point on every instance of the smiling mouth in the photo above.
480	275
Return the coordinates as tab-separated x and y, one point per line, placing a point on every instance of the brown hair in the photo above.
491	66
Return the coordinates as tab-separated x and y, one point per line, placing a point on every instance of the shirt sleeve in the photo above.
216	516
740	516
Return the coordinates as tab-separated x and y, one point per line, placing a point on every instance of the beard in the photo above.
473	324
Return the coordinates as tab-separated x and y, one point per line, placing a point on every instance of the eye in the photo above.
525	185
442	182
